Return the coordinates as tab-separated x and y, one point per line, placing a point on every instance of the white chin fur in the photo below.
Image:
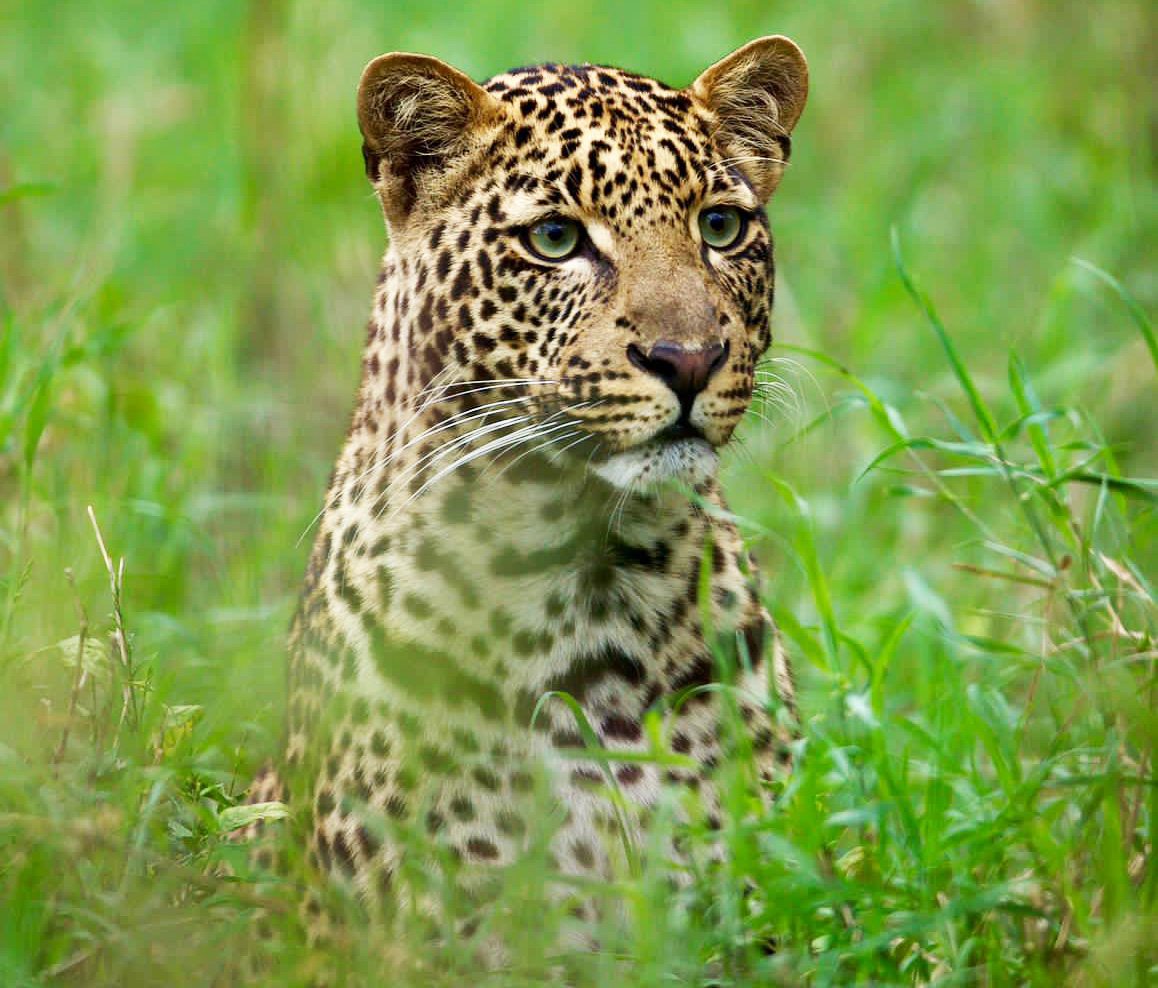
688	461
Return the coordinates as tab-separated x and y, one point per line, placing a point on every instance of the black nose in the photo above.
686	372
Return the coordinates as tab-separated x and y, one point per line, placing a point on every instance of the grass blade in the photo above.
980	410
1141	320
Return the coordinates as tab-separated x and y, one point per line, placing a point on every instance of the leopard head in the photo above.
594	238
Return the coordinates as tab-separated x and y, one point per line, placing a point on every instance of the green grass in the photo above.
955	513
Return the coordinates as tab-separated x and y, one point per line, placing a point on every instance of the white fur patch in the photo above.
646	467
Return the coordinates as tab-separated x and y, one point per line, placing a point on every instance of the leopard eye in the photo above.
555	238
721	226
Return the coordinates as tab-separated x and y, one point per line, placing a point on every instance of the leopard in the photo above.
524	556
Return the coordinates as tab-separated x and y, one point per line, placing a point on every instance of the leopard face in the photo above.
593	237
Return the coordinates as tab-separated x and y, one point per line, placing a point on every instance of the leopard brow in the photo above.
739	186
523	209
740	196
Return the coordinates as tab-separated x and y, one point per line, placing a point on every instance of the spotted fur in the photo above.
525	503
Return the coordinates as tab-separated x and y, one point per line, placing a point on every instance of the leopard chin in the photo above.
644	468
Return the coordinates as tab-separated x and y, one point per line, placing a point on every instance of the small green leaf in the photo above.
1030	408
25	190
7	345
37	415
235	817
881	663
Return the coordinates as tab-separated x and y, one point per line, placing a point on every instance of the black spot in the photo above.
482	848
574	182
343	854
523	643
628	775
567	739
585	672
583	854
500	623
486	778
456	505
641	557
510	562
325	802
621	728
385	587
424	674
586	777
461	285
700	673
754	637
462	808
435	761
416	606
510	824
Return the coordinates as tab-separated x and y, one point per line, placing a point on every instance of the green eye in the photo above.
721	226
555	238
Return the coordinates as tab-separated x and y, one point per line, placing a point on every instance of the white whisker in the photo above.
470	414
411	470
491	384
574	442
495	445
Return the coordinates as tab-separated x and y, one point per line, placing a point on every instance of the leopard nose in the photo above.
686	372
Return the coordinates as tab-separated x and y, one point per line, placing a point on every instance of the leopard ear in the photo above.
417	115
756	95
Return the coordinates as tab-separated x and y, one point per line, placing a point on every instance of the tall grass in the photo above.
955	513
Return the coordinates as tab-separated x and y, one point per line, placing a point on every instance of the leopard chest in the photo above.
420	671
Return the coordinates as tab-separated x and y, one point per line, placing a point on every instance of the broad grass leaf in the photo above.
234	817
94	660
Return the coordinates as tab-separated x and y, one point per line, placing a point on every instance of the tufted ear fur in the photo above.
417	115
757	94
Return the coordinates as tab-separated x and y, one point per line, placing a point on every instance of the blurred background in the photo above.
188	246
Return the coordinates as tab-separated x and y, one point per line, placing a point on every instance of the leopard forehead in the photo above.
621	146
620	151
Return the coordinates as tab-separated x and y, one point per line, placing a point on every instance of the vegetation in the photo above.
953	496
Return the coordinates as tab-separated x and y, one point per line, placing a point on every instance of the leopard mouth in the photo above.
678	432
678	454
